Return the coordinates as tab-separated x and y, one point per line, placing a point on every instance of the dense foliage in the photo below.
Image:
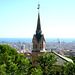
48	67
46	63
12	63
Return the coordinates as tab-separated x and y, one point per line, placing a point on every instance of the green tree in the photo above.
3	69
15	63
68	68
46	63
36	71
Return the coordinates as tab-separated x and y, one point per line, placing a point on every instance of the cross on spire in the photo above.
38	6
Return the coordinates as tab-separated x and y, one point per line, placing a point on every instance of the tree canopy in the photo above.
13	63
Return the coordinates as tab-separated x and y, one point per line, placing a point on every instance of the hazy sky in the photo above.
18	18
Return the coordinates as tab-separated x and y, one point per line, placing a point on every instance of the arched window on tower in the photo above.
36	46
42	44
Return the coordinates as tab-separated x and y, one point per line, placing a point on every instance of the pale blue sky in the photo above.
18	18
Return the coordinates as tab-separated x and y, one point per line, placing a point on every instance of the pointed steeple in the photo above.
38	30
38	38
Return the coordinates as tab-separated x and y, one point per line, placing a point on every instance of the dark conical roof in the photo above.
38	23
38	29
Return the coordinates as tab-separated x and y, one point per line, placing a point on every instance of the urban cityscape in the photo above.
63	48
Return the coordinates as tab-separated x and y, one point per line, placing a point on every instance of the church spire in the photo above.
38	40
38	30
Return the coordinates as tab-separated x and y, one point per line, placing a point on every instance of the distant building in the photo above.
72	53
23	47
63	52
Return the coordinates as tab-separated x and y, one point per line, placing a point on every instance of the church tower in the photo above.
38	40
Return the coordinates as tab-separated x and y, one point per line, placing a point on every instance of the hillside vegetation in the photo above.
12	63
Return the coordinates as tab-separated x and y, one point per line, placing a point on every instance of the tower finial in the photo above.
38	6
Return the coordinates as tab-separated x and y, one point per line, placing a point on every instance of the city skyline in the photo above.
18	18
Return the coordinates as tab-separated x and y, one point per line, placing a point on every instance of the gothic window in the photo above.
40	46
36	46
